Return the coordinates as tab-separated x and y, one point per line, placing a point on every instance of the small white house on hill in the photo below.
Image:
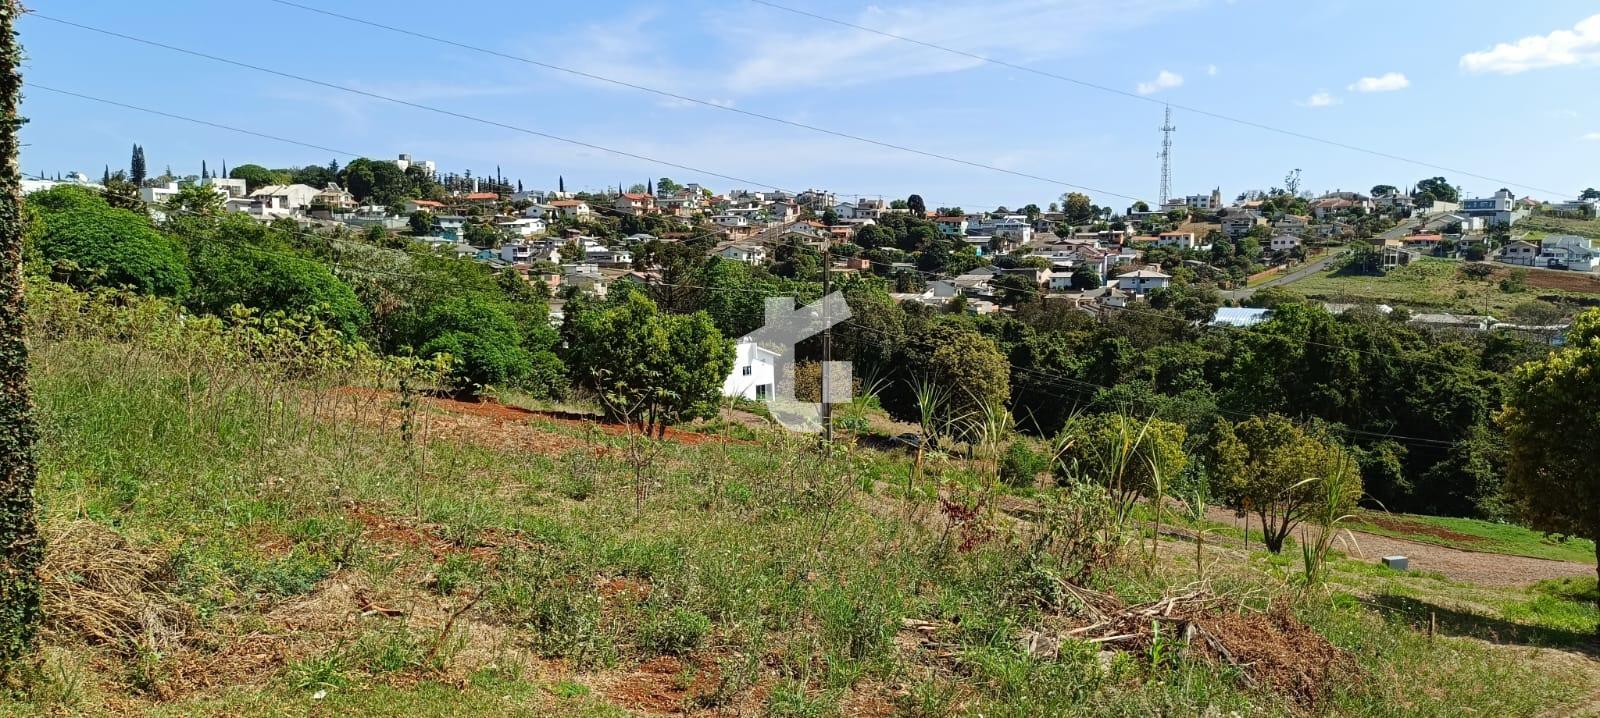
754	376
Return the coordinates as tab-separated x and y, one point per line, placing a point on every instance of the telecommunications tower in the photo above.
1166	157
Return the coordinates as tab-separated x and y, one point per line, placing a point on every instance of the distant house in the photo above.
423	205
951	226
752	254
522	226
1421	242
481	197
334	198
282	199
586	277
636	203
754	374
1567	251
1141	282
571	208
1284	243
1292	223
1178	240
1520	252
1239	223
1501	208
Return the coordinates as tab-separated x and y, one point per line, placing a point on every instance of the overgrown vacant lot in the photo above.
273	533
1436	285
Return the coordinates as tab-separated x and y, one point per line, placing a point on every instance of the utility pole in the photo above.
20	548
1166	157
827	339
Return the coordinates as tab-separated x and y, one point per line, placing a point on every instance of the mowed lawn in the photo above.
1476	535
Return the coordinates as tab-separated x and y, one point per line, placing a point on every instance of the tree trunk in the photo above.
20	548
1597	583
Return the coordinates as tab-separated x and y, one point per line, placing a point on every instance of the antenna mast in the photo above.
1166	157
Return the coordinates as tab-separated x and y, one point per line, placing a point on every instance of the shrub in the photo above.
100	246
1021	464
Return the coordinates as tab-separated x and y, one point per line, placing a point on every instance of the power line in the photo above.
398	101
705	103
1142	98
194	120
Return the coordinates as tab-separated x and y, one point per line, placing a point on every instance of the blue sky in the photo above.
1501	90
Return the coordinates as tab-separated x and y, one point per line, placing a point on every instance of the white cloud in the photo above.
822	55
1211	70
1387	82
1592	137
1578	46
1320	99
1165	80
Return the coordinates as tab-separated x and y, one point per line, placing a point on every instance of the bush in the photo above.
1021	464
101	246
271	279
482	338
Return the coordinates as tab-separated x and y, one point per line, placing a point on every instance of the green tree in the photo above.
1384	190
422	223
99	245
243	263
1552	425
950	354
1077	207
194	199
1436	189
19	529
481	337
916	205
651	368
1273	467
1084	277
1589	193
255	176
1128	456
1016	288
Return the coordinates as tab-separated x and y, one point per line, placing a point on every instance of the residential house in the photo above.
334	198
1141	282
423	205
636	204
1283	243
1238	223
751	254
158	196
235	188
1585	207
451	226
1520	252
572	208
1292	223
1179	240
1501	208
482	198
754	374
1567	251
586	277
282	200
1425	242
522	226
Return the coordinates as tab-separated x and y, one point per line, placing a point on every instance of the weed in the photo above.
674	631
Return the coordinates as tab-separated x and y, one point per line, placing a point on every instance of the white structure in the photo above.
405	162
1283	243
752	254
1143	281
754	375
1180	240
233	187
1498	209
522	226
282	199
1520	252
1568	251
571	208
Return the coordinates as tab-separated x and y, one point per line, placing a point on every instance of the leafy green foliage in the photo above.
92	244
241	262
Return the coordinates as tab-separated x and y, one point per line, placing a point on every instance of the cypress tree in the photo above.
136	171
20	547
561	184
203	173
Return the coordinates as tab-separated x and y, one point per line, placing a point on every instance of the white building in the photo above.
1283	243
754	375
752	254
405	162
1498	209
281	200
1141	282
522	226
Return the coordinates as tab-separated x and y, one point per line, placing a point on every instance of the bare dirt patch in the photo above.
1415	527
1560	280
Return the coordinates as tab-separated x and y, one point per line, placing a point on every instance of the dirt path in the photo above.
1484	569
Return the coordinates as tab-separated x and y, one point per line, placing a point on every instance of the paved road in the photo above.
1310	268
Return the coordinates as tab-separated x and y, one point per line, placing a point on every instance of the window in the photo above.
761	391
747	370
